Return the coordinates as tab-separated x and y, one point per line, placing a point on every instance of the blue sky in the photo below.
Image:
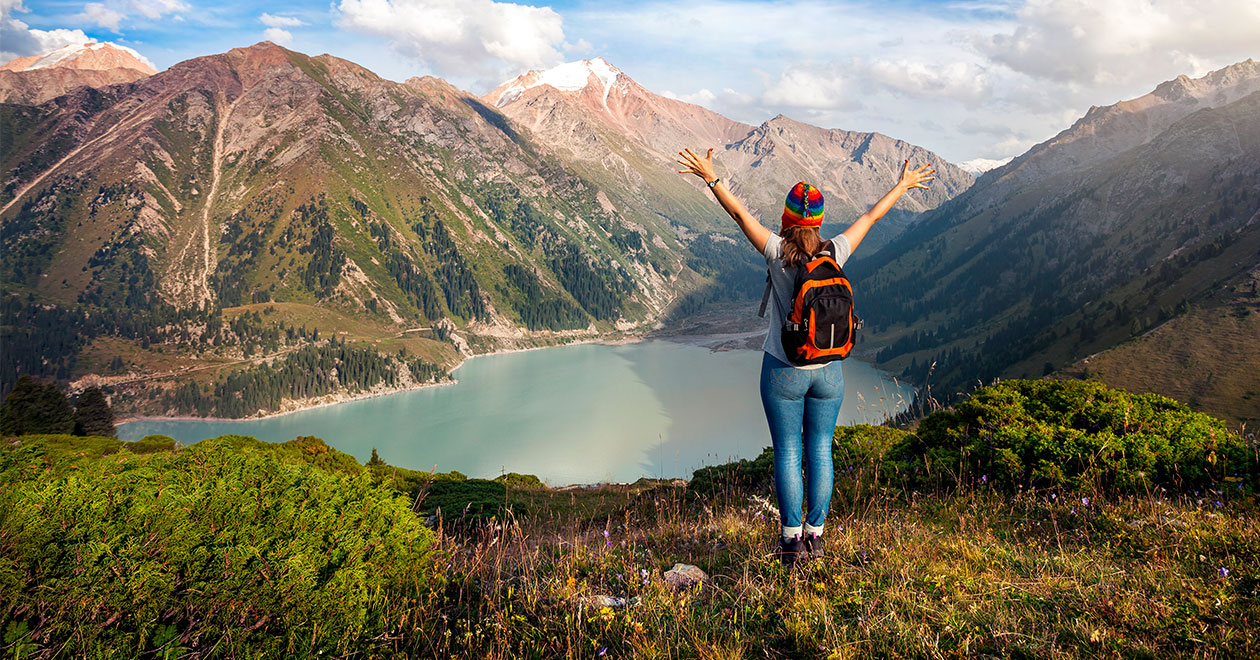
966	78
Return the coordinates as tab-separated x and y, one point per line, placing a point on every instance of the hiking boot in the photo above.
789	552
814	546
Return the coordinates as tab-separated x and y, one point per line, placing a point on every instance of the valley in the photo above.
196	238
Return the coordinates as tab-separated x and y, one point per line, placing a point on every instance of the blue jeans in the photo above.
801	404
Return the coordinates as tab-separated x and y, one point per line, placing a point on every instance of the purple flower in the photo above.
607	541
1218	504
984	479
1054	496
1085	501
603	651
1224	572
619	576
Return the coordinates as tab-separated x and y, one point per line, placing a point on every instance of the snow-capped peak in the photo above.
567	77
978	166
64	55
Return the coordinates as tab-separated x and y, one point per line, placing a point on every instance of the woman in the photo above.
801	402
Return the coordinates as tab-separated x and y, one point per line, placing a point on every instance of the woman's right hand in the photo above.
701	167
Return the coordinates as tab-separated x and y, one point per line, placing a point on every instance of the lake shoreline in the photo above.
724	327
334	399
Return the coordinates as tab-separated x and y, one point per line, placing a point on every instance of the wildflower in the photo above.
1218	504
1054	496
984	479
607	541
1224	572
603	651
619	576
1085	501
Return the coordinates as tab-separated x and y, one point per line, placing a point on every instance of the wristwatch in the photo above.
712	183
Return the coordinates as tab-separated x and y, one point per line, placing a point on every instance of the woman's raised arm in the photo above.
917	178
703	168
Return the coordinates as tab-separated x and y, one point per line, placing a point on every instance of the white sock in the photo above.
810	529
790	533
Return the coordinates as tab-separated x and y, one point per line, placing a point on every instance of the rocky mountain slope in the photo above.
39	78
1107	131
616	131
1092	237
266	174
262	175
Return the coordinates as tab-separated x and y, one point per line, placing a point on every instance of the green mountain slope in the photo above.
1023	274
1206	355
155	209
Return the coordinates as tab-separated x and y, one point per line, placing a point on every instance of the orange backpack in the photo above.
820	326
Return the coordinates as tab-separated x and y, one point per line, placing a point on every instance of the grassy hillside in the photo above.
1206	355
937	547
1019	281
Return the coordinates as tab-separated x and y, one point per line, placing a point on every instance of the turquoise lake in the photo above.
571	414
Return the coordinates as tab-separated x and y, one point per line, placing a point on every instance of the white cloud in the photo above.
964	82
811	89
98	14
280	21
1119	41
17	39
581	47
156	8
472	38
278	36
702	97
991	75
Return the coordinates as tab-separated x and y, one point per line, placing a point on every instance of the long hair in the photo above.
799	244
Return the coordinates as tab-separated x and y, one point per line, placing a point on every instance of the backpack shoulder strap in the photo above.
765	296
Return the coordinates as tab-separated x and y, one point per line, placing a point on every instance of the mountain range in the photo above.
157	216
619	133
265	177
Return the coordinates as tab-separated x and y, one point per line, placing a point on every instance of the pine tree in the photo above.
375	459
92	414
33	407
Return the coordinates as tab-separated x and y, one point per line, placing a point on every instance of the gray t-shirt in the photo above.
782	280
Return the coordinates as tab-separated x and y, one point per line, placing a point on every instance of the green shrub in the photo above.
151	443
735	478
1076	435
59	449
411	482
470	499
223	540
1025	434
518	480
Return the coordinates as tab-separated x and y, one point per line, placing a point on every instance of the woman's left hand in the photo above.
916	178
701	167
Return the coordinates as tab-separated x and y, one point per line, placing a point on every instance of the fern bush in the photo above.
248	544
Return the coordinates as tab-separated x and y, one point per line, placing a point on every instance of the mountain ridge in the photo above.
1016	277
597	125
39	78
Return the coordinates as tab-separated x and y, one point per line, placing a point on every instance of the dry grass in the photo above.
978	575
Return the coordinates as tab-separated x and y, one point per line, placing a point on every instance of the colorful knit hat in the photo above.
803	207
